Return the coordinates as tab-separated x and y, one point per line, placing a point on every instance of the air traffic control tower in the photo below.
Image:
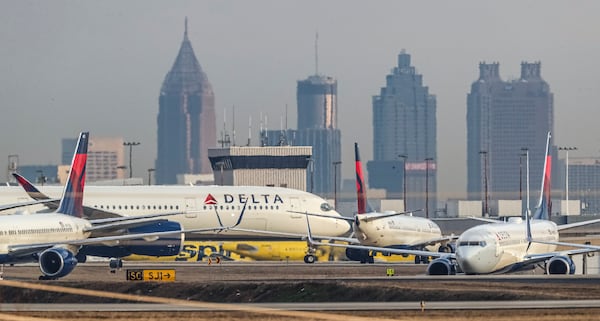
280	166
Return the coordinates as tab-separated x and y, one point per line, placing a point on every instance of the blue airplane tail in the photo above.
71	202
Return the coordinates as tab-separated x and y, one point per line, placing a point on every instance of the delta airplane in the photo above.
501	247
54	239
264	209
389	229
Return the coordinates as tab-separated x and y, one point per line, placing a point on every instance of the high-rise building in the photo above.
186	118
317	127
105	158
404	139
506	120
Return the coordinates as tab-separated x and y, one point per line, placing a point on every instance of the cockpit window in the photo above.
472	243
326	207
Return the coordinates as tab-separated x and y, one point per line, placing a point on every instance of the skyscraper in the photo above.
506	119
186	118
404	138
317	127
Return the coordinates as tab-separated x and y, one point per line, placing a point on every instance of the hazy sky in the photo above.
67	66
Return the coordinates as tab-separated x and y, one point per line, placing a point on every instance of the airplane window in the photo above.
260	207
171	207
119	206
326	207
176	207
137	207
125	206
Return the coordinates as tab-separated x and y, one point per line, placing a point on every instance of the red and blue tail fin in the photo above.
542	211
31	190
361	194
71	202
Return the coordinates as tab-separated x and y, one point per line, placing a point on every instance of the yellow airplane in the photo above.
257	251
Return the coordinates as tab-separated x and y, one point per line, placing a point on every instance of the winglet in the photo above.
361	195
71	202
310	239
544	203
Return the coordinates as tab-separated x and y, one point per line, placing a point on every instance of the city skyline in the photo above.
69	66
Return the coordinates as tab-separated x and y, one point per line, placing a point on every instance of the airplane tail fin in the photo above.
361	194
71	202
29	188
542	211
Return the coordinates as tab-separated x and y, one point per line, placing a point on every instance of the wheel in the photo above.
115	263
309	259
370	260
417	259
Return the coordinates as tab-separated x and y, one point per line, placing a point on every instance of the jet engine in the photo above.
56	262
359	255
165	245
441	266
560	265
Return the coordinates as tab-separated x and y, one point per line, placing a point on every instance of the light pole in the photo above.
335	169
403	179
150	170
485	183
427	186
130	144
567	149
526	150
521	177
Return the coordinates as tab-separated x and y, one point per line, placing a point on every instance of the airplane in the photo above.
391	230
503	247
54	239
269	209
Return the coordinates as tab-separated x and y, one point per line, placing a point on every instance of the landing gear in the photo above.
421	259
309	258
45	277
115	264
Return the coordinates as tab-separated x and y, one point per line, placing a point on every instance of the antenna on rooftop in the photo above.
317	53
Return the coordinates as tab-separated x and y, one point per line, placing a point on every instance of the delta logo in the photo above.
210	200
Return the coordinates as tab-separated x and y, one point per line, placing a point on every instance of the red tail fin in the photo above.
361	195
72	200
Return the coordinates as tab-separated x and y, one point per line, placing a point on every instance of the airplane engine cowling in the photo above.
57	262
441	266
560	265
165	245
356	254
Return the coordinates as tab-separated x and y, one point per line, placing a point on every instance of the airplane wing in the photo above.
385	249
107	224
577	224
23	204
113	240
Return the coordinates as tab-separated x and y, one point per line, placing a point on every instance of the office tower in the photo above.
186	119
105	158
317	127
404	139
506	120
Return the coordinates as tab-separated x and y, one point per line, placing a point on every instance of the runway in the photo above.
308	306
281	288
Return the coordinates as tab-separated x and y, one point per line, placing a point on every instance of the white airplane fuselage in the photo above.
492	247
47	228
400	230
265	208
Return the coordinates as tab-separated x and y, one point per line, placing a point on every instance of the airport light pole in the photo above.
130	144
485	183
427	160
526	150
567	149
335	169
403	179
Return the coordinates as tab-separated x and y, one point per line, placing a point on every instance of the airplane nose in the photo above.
475	259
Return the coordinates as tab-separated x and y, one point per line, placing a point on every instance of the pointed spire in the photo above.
185	37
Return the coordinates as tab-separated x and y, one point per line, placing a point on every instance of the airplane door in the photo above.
190	205
295	206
